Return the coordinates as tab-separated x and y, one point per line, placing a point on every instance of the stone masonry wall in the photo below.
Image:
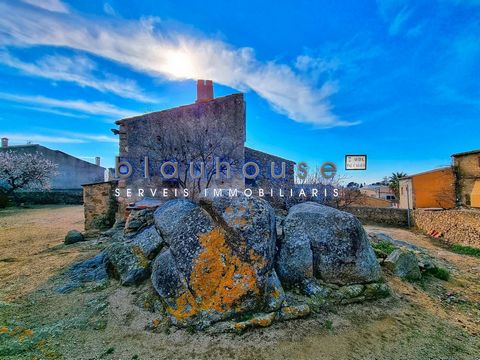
264	179
385	216
468	172
99	205
455	226
142	136
69	197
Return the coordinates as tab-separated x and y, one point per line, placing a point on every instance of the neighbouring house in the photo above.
213	127
378	191
430	189
66	186
467	173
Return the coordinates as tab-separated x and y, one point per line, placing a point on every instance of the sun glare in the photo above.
179	64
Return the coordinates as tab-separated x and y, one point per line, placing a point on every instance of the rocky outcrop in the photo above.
324	243
130	259
217	262
226	262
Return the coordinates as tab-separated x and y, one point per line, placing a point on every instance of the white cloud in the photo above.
398	21
397	13
50	5
77	69
62	138
24	138
50	111
175	56
94	108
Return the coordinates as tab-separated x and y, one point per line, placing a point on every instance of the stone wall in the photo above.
100	205
383	216
468	177
69	197
455	226
264	179
222	119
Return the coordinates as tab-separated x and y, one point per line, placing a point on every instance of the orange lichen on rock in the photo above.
219	279
240	221
185	306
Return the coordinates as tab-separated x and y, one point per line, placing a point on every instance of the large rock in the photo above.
73	236
131	258
325	243
404	264
218	258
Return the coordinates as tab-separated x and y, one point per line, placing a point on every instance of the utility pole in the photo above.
408	206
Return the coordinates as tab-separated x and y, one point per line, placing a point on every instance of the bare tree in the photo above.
195	147
20	171
344	197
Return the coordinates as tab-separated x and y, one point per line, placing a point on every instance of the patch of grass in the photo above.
384	246
439	273
465	250
329	325
109	351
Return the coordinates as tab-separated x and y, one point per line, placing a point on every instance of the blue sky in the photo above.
397	80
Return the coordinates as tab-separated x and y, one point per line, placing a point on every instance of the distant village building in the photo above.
66	186
378	191
430	189
467	172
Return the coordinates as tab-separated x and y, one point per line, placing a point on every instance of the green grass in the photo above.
439	273
465	250
384	246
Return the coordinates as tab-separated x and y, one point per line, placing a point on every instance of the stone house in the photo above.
467	174
66	186
214	129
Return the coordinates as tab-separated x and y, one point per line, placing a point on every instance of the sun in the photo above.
179	64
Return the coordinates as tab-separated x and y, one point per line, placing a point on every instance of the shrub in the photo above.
465	250
439	273
384	246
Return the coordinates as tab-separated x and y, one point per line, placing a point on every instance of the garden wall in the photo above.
69	197
454	226
383	216
100	205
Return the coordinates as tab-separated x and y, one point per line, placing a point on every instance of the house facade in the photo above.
467	173
430	189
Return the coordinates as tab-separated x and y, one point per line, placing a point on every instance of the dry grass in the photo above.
31	246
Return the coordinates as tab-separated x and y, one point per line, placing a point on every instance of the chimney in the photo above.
4	143
97	161
204	90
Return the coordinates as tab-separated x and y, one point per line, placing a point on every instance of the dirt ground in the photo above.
432	319
31	249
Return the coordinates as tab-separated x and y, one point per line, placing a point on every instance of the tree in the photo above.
394	182
197	145
23	171
346	195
